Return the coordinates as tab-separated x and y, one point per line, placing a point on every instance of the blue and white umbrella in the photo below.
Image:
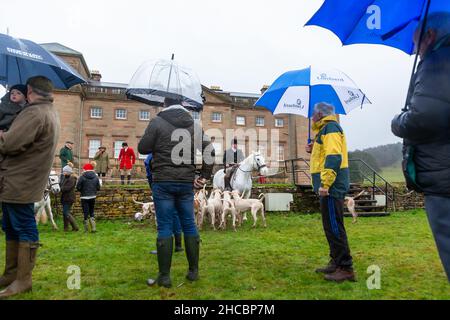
21	59
296	92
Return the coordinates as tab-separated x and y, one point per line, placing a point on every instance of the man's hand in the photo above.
323	192
199	183
309	147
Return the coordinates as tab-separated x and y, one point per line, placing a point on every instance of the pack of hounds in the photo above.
219	206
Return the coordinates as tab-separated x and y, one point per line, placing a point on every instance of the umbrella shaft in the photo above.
419	46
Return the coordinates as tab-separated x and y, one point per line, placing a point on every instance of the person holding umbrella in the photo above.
31	140
173	183
425	128
331	180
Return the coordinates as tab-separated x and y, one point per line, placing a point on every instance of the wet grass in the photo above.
273	263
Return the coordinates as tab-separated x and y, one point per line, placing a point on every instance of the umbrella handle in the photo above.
422	33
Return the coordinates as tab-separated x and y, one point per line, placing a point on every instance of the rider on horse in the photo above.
231	159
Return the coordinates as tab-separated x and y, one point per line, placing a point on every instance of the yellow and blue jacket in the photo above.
329	158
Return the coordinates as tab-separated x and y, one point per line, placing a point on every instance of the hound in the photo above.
228	208
254	205
148	209
350	203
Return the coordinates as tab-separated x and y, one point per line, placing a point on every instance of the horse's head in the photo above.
259	163
53	183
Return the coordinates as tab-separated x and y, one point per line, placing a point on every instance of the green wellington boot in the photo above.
192	246
164	252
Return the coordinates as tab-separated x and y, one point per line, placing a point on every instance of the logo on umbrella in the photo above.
325	77
298	105
24	54
353	96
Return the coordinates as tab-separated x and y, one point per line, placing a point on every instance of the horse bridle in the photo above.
50	184
257	164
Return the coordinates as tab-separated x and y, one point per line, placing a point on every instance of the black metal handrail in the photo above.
367	172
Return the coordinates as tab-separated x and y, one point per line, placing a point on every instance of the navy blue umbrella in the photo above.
21	59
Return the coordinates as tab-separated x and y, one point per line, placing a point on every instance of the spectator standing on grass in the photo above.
28	150
425	128
331	180
174	181
68	184
88	185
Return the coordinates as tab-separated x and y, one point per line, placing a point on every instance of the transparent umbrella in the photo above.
156	80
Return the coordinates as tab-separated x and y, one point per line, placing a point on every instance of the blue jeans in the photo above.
438	211
66	209
19	223
172	200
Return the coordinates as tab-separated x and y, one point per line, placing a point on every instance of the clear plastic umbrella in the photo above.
156	80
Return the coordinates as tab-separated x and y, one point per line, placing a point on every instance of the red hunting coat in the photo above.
127	158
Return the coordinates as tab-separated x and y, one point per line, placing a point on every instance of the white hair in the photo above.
324	108
439	22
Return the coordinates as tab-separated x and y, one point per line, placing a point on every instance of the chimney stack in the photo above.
264	88
216	88
96	75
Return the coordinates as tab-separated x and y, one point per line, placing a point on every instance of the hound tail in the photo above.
141	203
261	197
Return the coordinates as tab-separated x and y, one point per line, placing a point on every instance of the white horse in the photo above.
242	178
43	208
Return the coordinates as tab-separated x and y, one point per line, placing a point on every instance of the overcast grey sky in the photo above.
236	44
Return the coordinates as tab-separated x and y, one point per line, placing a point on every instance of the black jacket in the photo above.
158	140
426	126
68	185
88	184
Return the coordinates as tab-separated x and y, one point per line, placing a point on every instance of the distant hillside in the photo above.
382	156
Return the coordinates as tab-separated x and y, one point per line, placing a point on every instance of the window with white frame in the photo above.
121	114
116	91
217	148
96	112
279	123
260	121
196	115
262	148
216	117
117	147
94	144
280	153
240	120
144	115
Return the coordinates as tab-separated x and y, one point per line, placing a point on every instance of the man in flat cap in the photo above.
66	154
27	151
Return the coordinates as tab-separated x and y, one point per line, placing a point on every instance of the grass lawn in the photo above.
393	173
273	263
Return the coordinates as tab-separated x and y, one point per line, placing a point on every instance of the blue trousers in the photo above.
67	207
438	212
19	223
174	200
